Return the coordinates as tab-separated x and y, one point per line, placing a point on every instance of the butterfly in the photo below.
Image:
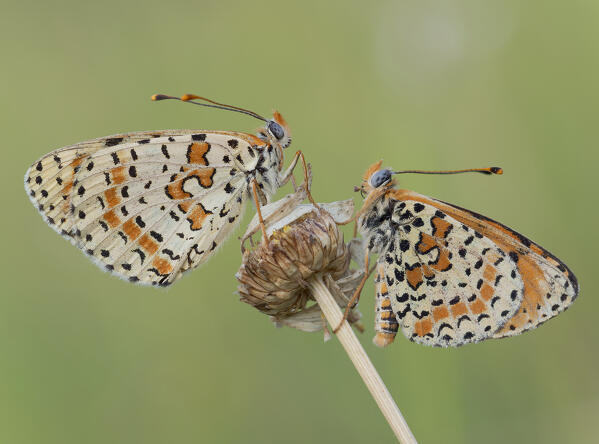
448	276
149	206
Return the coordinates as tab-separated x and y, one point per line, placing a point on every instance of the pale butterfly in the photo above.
149	206
448	276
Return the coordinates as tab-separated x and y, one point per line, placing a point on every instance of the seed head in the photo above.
273	276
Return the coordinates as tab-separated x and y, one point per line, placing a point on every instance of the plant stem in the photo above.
360	359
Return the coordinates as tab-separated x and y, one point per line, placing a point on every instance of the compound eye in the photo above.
379	178
276	130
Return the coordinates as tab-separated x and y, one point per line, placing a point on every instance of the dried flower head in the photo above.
273	276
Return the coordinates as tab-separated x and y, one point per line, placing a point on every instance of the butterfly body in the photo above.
150	205
448	276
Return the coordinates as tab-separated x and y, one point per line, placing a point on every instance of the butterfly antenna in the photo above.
488	171
211	104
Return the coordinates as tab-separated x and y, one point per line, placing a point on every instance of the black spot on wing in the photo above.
170	254
113	141
156	235
142	255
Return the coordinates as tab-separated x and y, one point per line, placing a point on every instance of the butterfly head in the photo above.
276	131
376	178
380	178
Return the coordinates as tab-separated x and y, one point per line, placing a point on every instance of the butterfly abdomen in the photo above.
386	324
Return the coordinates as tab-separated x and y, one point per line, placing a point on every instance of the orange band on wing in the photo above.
459	309
162	265
112	219
535	287
111	197
196	153
131	229
118	174
414	277
197	216
423	327
440	313
441	227
148	244
478	306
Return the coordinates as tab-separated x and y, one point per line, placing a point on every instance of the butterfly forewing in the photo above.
149	208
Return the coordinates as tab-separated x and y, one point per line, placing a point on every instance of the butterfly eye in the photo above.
276	130
379	178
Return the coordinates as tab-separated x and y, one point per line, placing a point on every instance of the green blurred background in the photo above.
87	358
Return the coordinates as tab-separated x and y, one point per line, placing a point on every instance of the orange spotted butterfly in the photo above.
149	206
448	276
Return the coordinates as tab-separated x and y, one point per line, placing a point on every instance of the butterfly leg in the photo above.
288	174
307	179
257	203
356	296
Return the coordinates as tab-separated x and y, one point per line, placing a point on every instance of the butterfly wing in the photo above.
449	286
150	209
506	283
49	181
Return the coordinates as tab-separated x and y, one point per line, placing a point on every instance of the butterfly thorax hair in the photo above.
379	225
270	161
266	172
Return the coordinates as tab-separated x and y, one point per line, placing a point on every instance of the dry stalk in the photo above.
306	259
361	361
